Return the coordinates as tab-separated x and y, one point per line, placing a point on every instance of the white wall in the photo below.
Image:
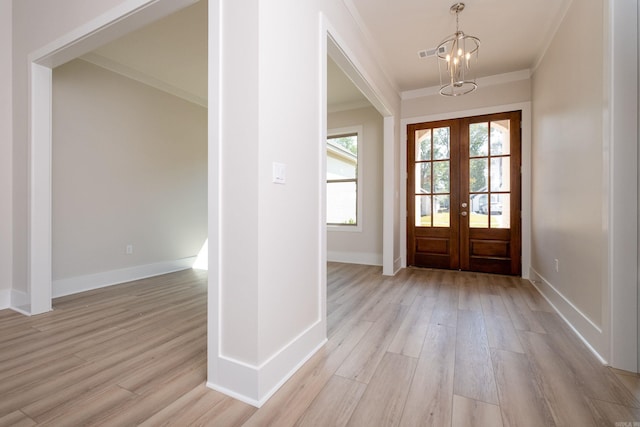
268	268
272	276
417	103
5	152
568	178
362	247
129	167
35	24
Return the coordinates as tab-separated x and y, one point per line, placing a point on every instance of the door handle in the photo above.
463	213
464	205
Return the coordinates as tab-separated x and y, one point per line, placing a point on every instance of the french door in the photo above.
463	194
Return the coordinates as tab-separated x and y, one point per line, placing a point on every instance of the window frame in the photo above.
358	131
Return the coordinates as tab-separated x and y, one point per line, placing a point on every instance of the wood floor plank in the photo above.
611	414
49	366
520	314
410	337
92	378
334	405
630	380
229	412
403	345
289	403
566	401
594	379
365	357
384	398
429	399
474	371
493	305
16	419
469	292
533	298
446	308
520	397
134	412
85	409
501	334
472	413
187	409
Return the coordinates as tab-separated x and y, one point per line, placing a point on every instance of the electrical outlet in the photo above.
129	250
556	264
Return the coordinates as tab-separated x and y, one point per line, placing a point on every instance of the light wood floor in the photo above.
422	348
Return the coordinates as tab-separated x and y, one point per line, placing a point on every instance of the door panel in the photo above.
464	194
433	228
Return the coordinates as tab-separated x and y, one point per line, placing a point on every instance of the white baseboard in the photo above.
397	265
590	333
254	385
20	302
364	258
89	282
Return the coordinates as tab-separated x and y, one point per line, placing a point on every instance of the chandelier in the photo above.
455	56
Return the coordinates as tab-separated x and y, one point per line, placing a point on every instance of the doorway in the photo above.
464	194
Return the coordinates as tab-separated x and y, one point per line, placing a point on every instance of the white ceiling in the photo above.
513	34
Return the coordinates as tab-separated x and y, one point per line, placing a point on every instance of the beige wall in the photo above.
129	167
568	151
5	149
35	24
364	246
485	96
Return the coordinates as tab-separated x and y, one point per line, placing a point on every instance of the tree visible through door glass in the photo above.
432	177
489	174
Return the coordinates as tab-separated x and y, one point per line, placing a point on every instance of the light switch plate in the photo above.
279	173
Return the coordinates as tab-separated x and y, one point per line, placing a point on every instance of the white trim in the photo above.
214	88
397	265
39	262
144	78
584	328
621	184
371	42
20	302
74	285
348	106
253	384
346	60
482	82
525	108
550	34
126	17
364	258
359	130
390	199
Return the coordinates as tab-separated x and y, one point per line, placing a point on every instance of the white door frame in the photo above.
525	107
118	21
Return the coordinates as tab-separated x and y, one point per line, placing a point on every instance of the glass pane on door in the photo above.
489	174
423	212
500	138
432	177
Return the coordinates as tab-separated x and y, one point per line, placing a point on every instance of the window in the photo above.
343	173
